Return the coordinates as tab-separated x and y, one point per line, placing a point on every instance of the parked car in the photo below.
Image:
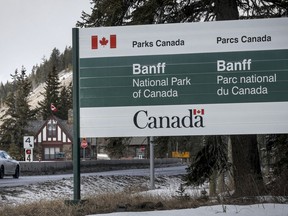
8	166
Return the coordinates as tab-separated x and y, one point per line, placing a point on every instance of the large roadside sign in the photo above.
214	78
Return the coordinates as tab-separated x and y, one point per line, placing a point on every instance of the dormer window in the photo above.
51	128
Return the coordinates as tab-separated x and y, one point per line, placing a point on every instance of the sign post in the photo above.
76	116
84	145
152	170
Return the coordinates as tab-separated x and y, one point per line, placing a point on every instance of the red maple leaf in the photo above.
103	41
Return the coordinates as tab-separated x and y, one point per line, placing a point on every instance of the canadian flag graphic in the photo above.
96	41
198	111
53	108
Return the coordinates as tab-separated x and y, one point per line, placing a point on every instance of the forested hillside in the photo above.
39	73
31	96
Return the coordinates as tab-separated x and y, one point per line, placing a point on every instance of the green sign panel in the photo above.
232	77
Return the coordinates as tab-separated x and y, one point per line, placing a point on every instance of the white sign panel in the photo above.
29	155
28	142
181	38
217	119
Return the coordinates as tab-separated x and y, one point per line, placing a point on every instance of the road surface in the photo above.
26	180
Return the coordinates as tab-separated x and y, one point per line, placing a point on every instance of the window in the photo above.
51	127
49	152
2	155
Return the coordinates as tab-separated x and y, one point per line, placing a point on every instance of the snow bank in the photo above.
217	210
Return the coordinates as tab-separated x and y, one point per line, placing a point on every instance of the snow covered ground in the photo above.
90	186
217	210
101	184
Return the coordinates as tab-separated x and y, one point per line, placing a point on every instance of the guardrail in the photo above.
60	167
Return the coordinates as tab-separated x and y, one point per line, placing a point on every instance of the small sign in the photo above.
29	154
177	154
84	143
28	142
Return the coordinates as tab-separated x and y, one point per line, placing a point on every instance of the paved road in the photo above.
26	180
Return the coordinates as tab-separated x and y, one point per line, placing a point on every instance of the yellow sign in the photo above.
180	154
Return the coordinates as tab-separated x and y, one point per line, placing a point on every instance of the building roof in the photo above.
34	126
138	141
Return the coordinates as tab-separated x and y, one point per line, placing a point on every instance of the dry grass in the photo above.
133	198
99	204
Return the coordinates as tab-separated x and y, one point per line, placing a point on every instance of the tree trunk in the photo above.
226	10
221	184
213	184
231	185
246	164
248	178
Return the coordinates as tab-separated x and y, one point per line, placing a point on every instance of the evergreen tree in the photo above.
131	12
18	114
44	70
277	162
213	156
65	102
54	60
51	95
118	146
66	59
